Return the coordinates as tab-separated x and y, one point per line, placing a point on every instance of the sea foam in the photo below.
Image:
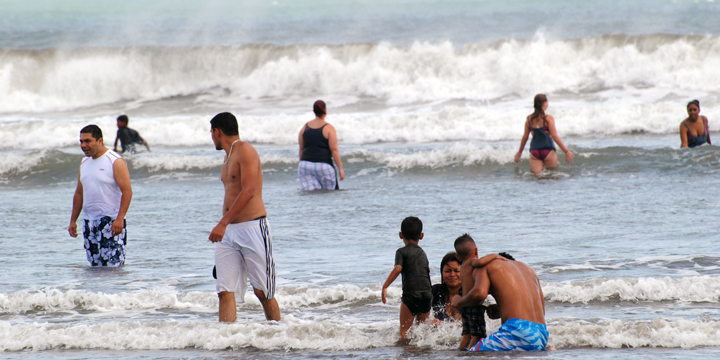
63	79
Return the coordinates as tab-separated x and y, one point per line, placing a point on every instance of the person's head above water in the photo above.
465	247
122	121
450	274
91	140
693	109
694	102
539	106
319	108
411	229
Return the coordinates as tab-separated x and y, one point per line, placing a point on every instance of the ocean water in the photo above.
429	100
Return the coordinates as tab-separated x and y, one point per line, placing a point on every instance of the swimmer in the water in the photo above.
694	129
542	148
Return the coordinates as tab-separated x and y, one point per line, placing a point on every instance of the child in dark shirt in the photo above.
127	136
412	263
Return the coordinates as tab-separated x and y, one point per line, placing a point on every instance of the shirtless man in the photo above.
243	242
520	302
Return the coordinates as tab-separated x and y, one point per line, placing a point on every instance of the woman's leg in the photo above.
551	161
536	165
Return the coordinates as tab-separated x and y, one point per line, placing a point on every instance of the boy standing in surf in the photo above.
412	263
127	136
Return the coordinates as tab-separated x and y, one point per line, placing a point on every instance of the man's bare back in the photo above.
515	287
243	161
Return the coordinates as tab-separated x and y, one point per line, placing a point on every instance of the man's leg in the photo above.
228	309
270	307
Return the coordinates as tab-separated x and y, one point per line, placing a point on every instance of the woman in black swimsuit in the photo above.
318	148
694	129
448	287
542	148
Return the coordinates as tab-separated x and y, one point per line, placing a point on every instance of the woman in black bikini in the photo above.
694	129
542	148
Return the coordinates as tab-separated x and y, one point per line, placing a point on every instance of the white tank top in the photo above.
101	194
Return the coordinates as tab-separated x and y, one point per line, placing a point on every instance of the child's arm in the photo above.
393	275
477	263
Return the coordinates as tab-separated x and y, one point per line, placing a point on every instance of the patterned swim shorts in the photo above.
316	175
515	334
101	247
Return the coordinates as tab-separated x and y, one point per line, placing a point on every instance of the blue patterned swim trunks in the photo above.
515	334
101	247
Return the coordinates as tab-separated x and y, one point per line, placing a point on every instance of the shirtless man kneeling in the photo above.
243	242
520	302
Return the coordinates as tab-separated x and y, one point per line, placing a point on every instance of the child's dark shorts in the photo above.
473	321
418	303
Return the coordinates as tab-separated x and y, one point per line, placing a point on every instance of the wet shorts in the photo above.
473	321
246	252
515	334
316	175
541	154
418	304
101	247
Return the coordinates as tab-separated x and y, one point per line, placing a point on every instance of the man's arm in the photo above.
477	263
248	161
478	293
393	275
77	207
122	178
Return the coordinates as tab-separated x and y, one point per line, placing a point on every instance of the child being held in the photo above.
412	263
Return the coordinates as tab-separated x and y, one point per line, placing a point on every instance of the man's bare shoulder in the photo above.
245	152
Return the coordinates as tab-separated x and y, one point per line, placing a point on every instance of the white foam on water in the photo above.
685	289
290	298
62	79
445	123
290	333
459	154
294	333
611	333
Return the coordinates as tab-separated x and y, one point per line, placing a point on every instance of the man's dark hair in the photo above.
123	119
93	130
464	246
507	256
226	122
411	228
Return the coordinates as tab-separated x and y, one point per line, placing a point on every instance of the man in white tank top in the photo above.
103	193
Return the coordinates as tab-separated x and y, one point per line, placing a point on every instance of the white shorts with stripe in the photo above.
316	175
246	252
